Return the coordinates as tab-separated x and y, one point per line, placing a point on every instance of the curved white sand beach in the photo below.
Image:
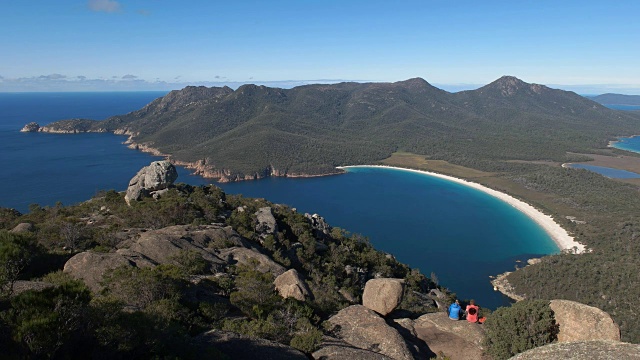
560	236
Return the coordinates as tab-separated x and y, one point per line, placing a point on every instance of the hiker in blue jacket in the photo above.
454	311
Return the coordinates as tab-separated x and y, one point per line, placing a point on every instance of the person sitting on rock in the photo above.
472	312
454	311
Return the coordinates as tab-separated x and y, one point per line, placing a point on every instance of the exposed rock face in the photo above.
290	284
31	127
240	347
320	227
90	267
456	339
579	350
245	256
335	349
267	224
162	245
23	227
157	176
406	328
582	322
151	248
383	295
365	329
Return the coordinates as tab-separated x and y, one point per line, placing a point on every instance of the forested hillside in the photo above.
616	99
257	131
212	267
508	135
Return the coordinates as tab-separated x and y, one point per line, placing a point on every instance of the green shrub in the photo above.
308	341
525	325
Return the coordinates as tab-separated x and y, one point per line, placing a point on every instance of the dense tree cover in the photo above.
158	311
311	129
607	276
618	99
523	326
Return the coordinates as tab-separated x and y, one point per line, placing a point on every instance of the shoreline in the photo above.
612	143
558	234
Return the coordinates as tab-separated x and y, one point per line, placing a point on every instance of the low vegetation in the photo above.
153	312
523	326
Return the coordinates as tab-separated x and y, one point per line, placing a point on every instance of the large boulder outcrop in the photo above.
583	322
336	349
158	175
579	350
320	227
23	228
154	247
90	267
253	258
239	347
456	339
383	295
163	245
365	329
291	284
267	224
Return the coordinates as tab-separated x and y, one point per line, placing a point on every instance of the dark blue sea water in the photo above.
606	171
623	107
460	234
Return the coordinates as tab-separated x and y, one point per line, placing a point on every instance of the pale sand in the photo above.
560	236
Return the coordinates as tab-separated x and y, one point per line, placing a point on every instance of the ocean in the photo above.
460	234
628	143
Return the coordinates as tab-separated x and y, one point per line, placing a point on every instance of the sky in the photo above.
590	47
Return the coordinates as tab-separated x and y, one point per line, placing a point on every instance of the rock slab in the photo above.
266	222
579	350
456	339
365	329
291	284
239	347
157	176
583	322
383	295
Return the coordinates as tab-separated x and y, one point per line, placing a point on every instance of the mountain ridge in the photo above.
258	131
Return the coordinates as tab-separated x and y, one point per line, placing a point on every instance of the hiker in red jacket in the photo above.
472	312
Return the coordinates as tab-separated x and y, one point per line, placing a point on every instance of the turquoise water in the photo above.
460	234
628	143
606	171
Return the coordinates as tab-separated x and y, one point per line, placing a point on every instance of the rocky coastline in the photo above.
199	167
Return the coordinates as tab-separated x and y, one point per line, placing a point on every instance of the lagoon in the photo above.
606	171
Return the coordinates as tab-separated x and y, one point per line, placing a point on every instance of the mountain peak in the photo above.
510	85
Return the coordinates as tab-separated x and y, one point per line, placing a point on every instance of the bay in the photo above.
459	233
628	143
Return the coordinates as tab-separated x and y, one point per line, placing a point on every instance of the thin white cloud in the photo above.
108	6
52	77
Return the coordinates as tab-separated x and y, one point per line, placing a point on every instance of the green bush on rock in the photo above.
525	325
